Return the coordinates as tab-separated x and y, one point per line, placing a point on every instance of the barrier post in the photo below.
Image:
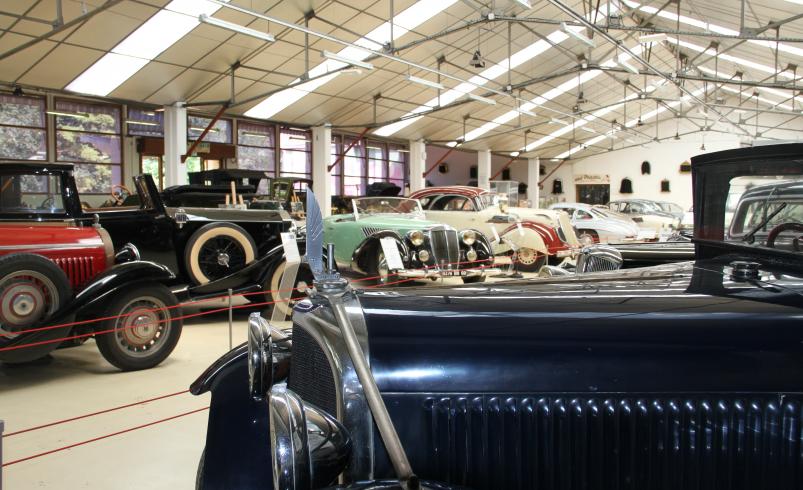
2	426
230	321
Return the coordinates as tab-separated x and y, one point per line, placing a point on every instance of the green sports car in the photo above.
364	241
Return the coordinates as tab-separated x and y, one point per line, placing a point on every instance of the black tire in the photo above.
32	288
216	250
130	347
474	279
304	280
533	261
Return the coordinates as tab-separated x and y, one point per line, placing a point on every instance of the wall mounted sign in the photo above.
592	179
665	185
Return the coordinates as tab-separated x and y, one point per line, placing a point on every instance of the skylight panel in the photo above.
108	73
728	57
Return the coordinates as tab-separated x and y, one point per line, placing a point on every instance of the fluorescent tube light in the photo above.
524	3
515	153
526	112
479	98
351	71
142	123
555	120
424	81
205	19
554	159
580	37
211	130
82	115
627	66
652	38
334	56
587	130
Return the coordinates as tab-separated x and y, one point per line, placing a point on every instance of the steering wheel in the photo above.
121	196
47	203
777	230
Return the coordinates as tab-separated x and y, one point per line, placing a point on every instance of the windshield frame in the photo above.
417	213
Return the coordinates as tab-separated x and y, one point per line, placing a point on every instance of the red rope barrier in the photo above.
59	422
94	439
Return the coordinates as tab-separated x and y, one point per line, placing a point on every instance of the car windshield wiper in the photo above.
750	236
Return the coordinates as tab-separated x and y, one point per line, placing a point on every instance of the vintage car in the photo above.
427	249
56	270
677	376
647	214
536	236
597	224
770	205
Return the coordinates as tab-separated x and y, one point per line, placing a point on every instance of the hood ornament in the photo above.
325	274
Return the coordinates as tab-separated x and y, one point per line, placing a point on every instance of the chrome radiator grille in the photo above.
78	269
640	443
310	374
445	246
596	258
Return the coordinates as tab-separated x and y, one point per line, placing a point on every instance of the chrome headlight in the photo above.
309	447
468	237
471	255
127	253
260	357
423	256
416	237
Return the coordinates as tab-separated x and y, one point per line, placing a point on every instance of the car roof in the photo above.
578	205
461	190
792	188
40	166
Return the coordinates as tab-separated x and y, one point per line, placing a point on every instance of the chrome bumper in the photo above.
438	273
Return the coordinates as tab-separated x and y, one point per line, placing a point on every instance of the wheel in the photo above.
145	331
304	280
591	234
474	279
32	288
216	250
529	260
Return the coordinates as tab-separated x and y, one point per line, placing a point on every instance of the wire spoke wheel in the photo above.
279	298
26	298
220	256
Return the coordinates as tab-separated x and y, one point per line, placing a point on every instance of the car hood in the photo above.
397	222
536	214
588	331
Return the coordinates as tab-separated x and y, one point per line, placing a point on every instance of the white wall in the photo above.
460	163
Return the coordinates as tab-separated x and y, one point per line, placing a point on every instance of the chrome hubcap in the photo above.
223	259
526	256
26	297
142	327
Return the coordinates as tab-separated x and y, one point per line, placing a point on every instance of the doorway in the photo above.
593	193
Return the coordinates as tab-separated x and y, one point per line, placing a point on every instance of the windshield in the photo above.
370	206
758	204
670	207
30	193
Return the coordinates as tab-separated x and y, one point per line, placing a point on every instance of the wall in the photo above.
460	163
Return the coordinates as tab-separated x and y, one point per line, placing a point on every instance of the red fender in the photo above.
551	239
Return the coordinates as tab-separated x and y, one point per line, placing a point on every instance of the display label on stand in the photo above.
392	255
290	247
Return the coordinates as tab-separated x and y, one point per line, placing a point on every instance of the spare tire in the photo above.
32	288
216	250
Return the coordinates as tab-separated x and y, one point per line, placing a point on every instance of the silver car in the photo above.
600	225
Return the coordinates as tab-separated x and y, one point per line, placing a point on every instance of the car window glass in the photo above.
28	193
426	201
583	215
753	200
449	203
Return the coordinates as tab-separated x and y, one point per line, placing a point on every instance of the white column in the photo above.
418	164
175	129
321	159
484	169
533	176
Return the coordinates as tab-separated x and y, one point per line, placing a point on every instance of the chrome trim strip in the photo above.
52	246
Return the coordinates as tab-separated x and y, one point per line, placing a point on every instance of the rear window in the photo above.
30	193
760	203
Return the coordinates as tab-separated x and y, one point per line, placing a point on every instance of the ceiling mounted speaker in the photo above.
476	60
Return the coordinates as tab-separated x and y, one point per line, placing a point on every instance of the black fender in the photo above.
237	452
364	250
482	246
86	303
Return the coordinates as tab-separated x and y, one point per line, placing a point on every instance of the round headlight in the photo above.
471	255
423	256
469	237
416	237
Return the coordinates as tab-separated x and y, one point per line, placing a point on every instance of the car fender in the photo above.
528	235
363	251
482	244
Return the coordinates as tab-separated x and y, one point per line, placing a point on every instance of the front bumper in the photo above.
439	273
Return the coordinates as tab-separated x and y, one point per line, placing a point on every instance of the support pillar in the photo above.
175	144
321	159
533	177
418	164
484	169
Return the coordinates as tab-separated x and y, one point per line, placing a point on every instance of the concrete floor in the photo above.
78	381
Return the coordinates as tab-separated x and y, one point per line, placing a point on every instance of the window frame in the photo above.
230	139
46	127
273	128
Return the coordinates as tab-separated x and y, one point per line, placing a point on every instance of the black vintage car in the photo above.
677	376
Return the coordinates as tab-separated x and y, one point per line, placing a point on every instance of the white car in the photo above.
601	225
536	235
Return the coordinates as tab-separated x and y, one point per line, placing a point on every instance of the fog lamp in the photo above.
309	447
423	256
416	238
469	237
471	255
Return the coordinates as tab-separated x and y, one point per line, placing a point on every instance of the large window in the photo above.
377	162
256	147
219	133
337	171
354	169
23	133
296	153
88	135
398	156
145	122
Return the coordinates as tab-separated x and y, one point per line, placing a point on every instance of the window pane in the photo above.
396	170
254	134
152	122
87	147
220	132
23	143
80	116
255	158
150	165
353	186
193	164
296	162
22	111
95	179
292	139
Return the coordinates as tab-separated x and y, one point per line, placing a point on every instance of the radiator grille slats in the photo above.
445	247
310	374
616	443
78	269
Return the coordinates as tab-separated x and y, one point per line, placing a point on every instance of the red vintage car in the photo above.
58	271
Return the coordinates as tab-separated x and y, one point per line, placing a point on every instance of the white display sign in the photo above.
290	245
521	230
496	235
392	255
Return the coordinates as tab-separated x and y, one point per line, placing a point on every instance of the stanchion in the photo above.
2	426
230	320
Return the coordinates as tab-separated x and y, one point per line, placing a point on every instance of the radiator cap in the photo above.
744	269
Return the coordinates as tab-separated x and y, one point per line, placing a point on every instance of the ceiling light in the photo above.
555	120
211	130
351	71
236	28
348	61
142	123
515	153
652	38
68	114
554	159
424	81
525	3
526	112
587	130
577	35
479	98
627	66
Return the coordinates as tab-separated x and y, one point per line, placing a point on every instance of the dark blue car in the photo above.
678	376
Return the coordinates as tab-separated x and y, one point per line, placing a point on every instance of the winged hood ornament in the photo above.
314	236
